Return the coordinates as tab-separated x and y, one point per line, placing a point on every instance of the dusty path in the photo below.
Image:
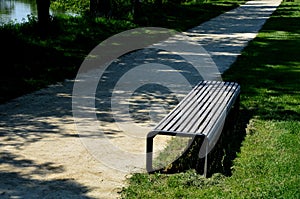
41	154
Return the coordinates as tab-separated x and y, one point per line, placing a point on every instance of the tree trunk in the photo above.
136	10
101	7
93	7
43	7
158	3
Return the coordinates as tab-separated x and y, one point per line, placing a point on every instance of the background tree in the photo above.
101	7
43	7
136	10
158	3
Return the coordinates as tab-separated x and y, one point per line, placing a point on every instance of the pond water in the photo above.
17	10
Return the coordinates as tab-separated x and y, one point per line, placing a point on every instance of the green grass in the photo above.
267	165
31	61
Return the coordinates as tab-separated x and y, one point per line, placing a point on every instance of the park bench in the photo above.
201	113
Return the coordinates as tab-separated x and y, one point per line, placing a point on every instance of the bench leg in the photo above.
205	158
149	154
203	153
236	106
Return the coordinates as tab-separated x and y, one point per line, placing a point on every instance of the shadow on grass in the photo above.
268	72
220	159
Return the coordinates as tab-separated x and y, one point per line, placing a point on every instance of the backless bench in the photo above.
201	113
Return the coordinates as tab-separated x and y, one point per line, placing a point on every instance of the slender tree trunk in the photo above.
158	3
136	10
43	7
93	7
100	7
106	8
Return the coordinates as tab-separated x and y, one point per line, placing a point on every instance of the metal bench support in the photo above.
201	113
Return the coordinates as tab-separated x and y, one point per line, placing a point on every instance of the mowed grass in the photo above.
268	163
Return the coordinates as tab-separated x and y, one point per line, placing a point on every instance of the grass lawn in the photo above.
267	165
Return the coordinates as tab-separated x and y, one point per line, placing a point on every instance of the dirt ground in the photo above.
42	155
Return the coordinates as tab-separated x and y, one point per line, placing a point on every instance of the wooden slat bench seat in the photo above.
201	113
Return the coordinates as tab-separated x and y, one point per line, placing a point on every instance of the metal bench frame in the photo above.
201	113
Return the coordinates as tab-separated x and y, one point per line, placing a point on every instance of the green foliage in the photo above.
75	6
268	164
35	60
183	16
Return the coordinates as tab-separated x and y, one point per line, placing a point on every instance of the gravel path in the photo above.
41	153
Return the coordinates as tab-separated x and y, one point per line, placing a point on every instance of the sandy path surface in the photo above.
41	153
